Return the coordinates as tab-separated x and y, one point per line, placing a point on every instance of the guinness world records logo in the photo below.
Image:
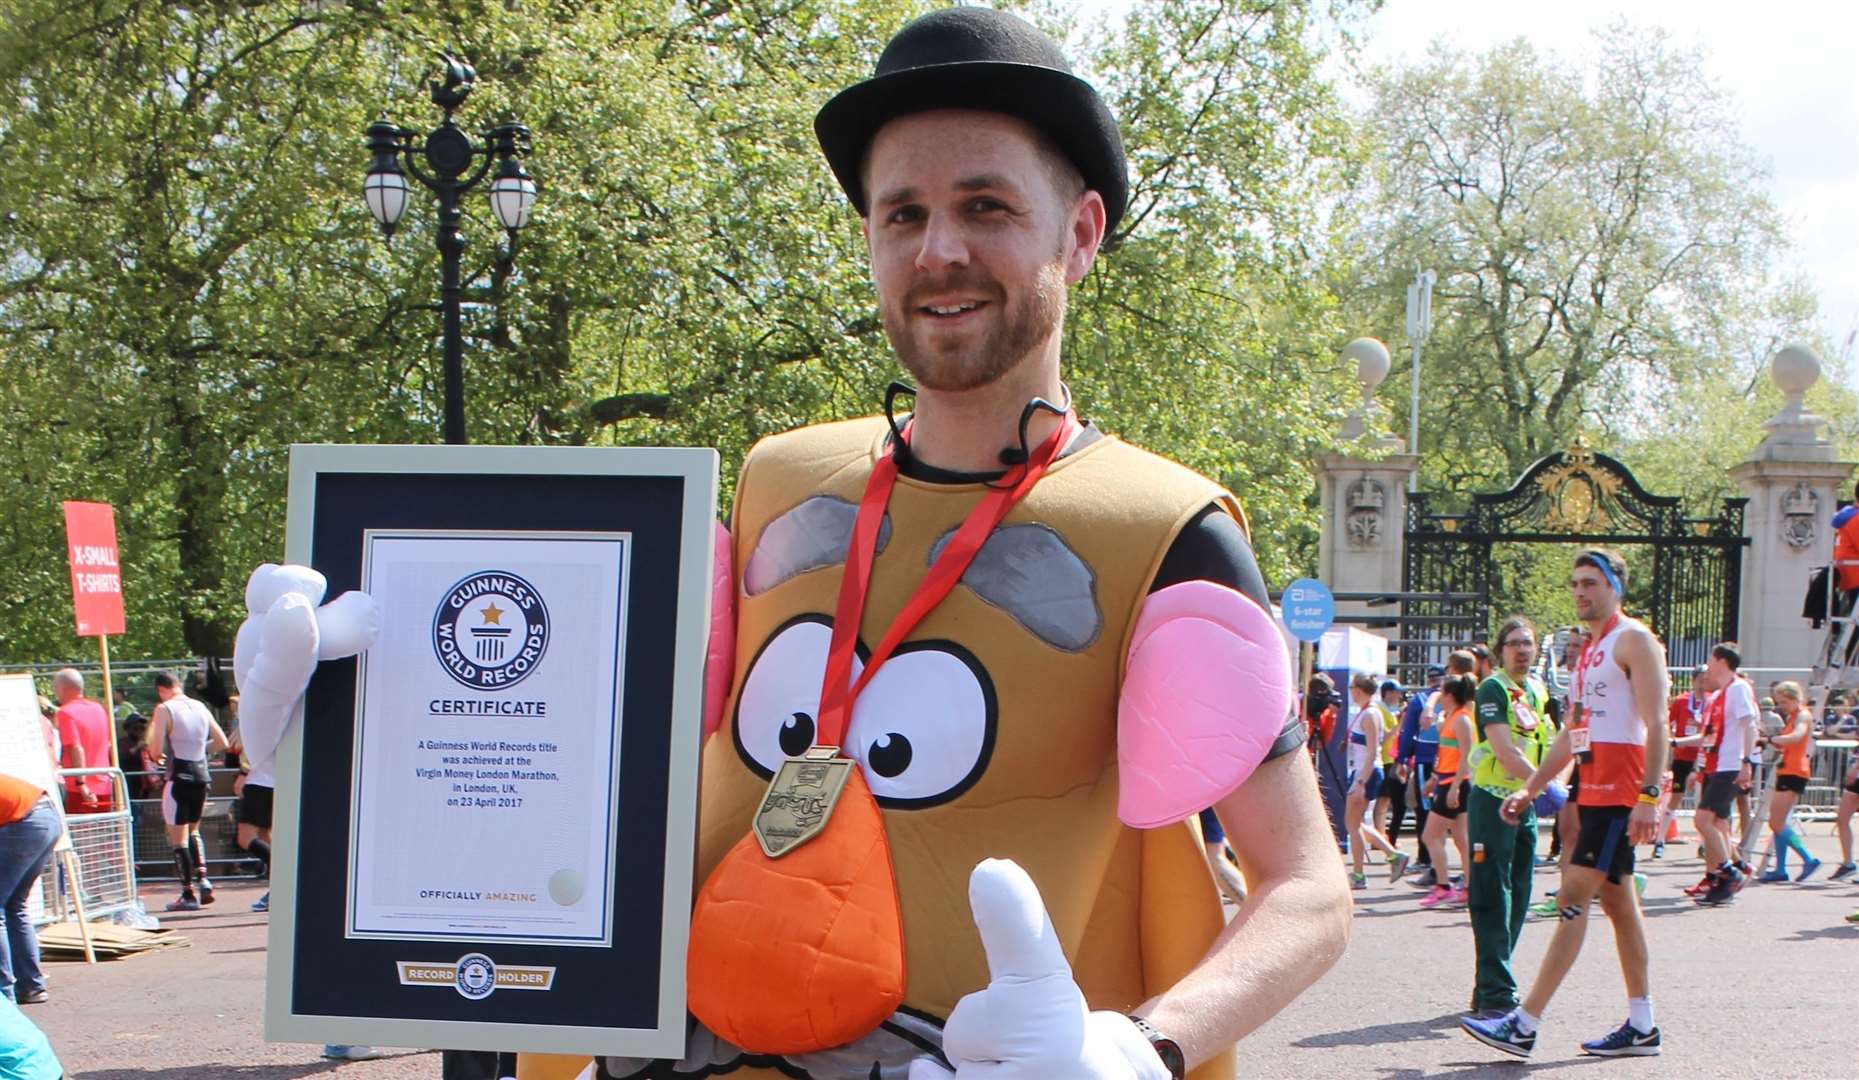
477	976
490	630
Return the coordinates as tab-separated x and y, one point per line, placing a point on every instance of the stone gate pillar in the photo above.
1364	491
1793	484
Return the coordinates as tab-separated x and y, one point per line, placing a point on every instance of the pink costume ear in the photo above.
720	657
1206	691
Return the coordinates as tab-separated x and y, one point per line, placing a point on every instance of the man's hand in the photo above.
1514	806
1742	777
1643	825
1031	1022
1452	800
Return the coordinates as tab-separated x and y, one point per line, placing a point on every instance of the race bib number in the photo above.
1578	740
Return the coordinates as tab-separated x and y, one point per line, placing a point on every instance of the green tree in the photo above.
1602	238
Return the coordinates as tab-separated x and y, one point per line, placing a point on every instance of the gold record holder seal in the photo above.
800	799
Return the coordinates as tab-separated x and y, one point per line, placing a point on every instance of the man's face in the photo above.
1594	598
972	244
1518	649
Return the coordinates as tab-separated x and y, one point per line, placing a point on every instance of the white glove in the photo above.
1031	1023
281	641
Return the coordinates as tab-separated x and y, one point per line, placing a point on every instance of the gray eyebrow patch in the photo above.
811	536
1029	572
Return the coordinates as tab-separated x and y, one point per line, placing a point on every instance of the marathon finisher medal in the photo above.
800	798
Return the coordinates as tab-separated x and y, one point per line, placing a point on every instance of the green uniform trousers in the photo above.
1503	861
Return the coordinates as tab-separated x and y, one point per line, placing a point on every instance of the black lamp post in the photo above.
449	172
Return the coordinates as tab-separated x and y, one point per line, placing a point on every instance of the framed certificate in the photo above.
485	824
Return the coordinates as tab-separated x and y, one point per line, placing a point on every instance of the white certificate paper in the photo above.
487	737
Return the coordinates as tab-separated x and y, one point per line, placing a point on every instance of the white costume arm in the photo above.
282	640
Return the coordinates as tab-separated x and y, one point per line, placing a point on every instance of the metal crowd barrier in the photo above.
1821	800
104	858
219	828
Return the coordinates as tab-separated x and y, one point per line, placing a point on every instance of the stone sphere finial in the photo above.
1371	360
1795	368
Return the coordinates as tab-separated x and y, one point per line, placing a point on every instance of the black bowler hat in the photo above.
978	58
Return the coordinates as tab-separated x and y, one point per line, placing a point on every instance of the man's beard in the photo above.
1019	329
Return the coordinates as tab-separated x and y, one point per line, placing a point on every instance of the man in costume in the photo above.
1618	732
1009	642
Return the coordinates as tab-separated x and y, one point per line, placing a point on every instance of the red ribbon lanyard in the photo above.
837	692
1581	662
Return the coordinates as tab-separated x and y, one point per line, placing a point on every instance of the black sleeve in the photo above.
1213	548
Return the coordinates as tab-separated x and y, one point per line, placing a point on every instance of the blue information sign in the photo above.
1308	608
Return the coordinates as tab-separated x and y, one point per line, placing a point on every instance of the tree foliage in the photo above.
1602	239
191	282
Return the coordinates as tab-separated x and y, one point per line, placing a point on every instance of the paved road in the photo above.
1761	988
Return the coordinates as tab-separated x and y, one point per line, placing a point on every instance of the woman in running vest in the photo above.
1451	788
1365	779
1795	742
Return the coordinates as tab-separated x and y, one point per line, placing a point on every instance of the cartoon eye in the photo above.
924	726
780	701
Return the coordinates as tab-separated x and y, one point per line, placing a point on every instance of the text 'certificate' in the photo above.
486	728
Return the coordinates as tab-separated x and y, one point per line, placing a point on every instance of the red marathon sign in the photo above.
96	577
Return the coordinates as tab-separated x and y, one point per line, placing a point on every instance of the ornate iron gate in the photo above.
1577	496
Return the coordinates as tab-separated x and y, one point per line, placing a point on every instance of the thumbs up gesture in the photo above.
1031	1022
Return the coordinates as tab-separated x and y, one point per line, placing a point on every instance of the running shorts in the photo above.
1681	774
255	806
1720	792
1442	805
1852	787
1371	788
1603	843
182	801
1796	784
1211	832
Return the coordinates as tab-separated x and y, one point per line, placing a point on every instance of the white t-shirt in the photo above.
1739	722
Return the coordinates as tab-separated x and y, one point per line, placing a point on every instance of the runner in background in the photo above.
1449	790
1796	743
181	736
1843	820
1391	804
1685	717
1365	779
1417	757
1728	740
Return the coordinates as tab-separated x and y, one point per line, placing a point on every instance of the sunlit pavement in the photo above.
1760	988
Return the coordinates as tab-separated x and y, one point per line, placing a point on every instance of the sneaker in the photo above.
1745	869
1722	891
1704	885
1358	881
206	892
350	1053
1773	875
1658	849
1438	896
1458	897
1808	870
1500	1034
1397	866
1853	918
35	997
1843	871
1625	1042
1740	877
1424	879
263	903
1639	883
1545	908
185	902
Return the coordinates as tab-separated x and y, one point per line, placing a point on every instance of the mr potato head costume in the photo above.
914	671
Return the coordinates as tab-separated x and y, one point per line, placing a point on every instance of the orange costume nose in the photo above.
804	952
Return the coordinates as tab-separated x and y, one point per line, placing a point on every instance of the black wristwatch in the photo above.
1165	1048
